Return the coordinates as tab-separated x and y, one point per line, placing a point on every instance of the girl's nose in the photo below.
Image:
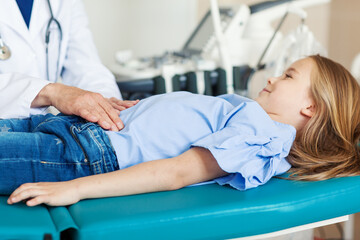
271	80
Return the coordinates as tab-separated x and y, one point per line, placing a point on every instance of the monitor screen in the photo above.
202	33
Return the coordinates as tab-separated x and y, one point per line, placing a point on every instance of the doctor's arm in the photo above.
194	166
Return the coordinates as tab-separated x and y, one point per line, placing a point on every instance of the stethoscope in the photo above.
5	52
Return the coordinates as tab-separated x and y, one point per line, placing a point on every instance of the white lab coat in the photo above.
23	75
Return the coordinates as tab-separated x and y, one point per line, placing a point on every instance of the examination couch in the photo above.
201	212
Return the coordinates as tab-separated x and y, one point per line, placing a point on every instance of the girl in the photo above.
178	139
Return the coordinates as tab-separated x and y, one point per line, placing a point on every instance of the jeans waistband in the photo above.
96	146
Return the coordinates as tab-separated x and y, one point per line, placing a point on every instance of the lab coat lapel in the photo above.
10	15
39	18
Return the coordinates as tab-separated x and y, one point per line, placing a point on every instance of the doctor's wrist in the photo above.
44	97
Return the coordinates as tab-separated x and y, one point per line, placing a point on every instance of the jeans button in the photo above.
85	160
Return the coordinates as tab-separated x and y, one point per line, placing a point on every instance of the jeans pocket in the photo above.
96	147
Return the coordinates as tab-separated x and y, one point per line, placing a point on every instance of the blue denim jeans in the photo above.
52	148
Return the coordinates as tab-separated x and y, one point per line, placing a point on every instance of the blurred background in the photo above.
152	27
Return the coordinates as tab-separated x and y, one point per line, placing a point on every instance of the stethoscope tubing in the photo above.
47	40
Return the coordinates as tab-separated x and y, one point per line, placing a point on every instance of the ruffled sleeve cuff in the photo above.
250	160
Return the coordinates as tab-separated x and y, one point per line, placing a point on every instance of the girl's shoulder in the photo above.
235	99
249	113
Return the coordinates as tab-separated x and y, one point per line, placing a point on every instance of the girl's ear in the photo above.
308	111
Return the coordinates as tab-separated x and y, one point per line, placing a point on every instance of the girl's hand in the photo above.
49	193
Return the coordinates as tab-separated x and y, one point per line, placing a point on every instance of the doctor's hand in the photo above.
121	104
88	105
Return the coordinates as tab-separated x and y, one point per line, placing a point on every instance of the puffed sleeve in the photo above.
251	160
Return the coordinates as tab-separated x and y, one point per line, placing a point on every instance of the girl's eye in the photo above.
287	76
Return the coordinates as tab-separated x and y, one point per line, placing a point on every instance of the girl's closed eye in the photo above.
287	75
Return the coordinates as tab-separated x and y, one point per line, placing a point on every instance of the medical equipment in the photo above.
297	44
186	68
166	73
47	40
205	63
5	52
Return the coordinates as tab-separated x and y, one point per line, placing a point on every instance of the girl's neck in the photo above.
298	123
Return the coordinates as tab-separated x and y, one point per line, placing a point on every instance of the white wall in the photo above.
148	27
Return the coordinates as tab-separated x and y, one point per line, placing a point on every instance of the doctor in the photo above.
42	41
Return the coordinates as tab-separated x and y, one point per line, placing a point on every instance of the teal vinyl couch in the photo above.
201	212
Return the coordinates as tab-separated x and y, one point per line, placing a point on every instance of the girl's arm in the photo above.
194	166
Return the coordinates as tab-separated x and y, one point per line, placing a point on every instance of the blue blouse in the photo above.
244	140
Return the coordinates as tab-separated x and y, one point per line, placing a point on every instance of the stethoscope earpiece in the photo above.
5	52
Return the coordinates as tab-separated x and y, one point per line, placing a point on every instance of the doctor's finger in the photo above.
113	115
94	112
131	102
126	103
95	117
84	113
117	106
105	121
114	102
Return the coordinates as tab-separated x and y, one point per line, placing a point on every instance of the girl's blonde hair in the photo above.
327	146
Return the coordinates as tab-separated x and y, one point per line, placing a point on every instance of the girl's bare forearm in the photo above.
193	166
146	177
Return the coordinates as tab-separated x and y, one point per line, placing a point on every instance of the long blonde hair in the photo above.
327	146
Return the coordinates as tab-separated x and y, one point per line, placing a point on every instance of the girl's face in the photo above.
287	98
